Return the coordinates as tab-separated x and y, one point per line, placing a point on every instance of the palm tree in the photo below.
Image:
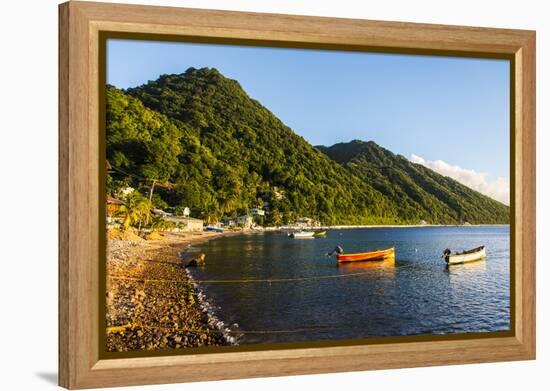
159	224
135	211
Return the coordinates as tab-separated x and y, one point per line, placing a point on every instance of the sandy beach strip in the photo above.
152	302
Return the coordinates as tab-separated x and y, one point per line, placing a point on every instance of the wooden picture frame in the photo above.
81	24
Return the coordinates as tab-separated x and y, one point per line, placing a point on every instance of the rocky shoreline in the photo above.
152	302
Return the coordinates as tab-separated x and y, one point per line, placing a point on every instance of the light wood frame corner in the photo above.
80	26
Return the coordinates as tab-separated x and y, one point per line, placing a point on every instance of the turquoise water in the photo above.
416	295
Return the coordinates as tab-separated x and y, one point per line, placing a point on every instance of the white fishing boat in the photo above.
302	234
473	255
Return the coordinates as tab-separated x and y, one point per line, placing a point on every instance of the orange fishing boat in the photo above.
379	255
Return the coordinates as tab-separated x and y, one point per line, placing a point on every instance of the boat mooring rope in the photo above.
252	281
245	281
132	326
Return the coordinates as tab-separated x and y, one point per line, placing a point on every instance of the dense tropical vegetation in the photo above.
418	192
198	140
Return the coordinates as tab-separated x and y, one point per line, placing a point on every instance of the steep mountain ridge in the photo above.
210	147
419	192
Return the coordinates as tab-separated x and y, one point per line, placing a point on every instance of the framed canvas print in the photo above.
247	195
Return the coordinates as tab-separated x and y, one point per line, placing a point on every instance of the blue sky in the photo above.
430	109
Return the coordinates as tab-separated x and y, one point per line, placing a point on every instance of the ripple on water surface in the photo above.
415	295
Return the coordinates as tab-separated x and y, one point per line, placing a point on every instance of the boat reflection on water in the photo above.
319	299
467	274
469	267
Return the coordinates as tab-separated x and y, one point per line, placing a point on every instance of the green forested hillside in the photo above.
418	192
217	151
210	147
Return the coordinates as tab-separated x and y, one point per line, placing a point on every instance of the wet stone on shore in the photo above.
152	302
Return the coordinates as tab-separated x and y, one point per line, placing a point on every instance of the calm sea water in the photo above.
416	295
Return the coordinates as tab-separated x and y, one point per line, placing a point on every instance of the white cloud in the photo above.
499	189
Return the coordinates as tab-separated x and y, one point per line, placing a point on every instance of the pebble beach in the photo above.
152	302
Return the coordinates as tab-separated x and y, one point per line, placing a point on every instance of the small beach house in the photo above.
257	212
245	221
187	224
113	205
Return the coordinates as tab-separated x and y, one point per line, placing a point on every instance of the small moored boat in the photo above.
302	234
378	255
473	255
320	234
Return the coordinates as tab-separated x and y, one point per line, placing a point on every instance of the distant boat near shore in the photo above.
213	229
302	234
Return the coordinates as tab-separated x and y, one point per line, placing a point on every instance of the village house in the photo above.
257	212
191	224
184	223
187	224
245	221
113	205
230	222
258	215
306	222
